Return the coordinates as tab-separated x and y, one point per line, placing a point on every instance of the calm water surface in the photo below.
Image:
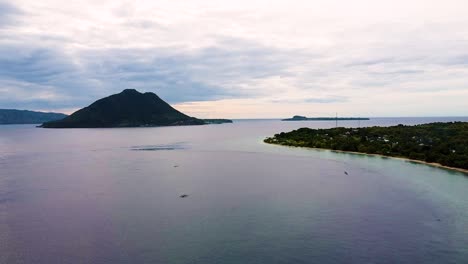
112	196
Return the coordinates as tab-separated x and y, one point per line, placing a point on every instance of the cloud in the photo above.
40	66
8	12
335	99
315	100
461	60
285	56
204	74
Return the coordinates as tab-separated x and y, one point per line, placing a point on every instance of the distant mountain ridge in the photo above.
129	108
14	116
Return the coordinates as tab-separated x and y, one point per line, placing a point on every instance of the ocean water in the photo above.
112	196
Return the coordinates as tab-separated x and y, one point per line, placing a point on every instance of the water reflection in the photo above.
61	201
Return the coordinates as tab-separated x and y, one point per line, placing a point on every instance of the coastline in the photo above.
432	164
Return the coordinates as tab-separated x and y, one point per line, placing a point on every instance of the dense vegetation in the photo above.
444	143
129	108
13	116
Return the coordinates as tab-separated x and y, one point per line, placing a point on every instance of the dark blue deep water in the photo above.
112	196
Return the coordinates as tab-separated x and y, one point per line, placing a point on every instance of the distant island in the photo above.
442	143
303	118
13	116
217	121
129	108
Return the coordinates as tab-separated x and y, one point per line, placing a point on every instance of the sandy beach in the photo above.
433	164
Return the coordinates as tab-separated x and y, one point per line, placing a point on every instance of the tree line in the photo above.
444	143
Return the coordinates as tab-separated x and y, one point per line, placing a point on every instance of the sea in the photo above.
113	196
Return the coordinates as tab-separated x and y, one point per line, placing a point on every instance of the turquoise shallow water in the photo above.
112	196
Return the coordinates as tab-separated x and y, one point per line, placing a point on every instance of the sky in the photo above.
239	59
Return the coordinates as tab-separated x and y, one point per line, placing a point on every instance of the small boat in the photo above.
346	172
183	195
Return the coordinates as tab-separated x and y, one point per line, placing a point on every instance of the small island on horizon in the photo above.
129	108
444	144
303	118
217	121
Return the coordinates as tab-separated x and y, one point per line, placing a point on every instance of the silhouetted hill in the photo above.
13	116
129	108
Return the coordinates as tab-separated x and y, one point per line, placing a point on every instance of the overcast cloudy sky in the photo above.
239	59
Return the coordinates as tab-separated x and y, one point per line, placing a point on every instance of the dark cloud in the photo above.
35	104
8	13
39	66
177	76
460	60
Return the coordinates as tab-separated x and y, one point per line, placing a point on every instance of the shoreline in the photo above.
432	164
